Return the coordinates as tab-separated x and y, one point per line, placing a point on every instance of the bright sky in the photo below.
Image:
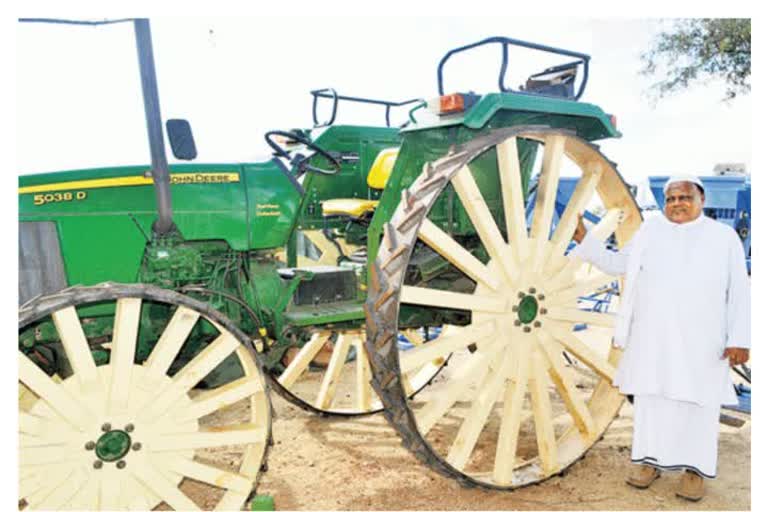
79	98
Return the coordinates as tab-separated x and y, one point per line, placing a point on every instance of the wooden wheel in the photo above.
508	410
331	373
128	436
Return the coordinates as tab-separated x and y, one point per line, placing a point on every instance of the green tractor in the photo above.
359	258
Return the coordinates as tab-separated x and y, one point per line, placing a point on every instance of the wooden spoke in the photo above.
87	497
584	191
110	491
565	386
207	474
194	371
36	499
331	377
245	433
583	288
478	212
512	417
219	398
363	374
170	342
579	316
76	347
472	371
303	358
136	496
542	414
54	395
451	300
513	197
546	193
608	224
148	474
446	246
34	425
446	344
413	337
488	391
65	491
564	335
126	328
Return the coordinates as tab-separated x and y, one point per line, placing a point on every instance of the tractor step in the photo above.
325	313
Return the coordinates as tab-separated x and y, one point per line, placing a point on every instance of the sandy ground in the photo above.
358	464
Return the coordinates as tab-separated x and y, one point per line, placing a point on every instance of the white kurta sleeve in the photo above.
592	250
738	305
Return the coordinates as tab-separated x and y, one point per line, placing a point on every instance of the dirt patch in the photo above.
358	464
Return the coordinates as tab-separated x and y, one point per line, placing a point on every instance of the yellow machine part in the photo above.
349	207
382	168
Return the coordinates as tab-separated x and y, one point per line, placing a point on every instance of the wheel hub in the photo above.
527	309
113	445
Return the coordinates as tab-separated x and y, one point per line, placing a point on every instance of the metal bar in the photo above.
160	174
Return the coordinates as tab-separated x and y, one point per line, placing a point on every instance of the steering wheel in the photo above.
303	165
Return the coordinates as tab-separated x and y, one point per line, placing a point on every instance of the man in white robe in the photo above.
684	318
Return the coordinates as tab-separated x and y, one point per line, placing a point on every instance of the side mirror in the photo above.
181	139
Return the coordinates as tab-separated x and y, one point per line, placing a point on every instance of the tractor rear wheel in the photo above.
331	374
130	436
508	410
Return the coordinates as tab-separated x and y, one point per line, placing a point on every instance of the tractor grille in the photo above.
41	269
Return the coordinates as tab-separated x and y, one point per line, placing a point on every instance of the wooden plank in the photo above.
181	324
473	370
205	473
219	398
512	416
122	354
583	192
579	316
513	197
363	377
331	378
542	414
301	362
446	344
244	433
477	210
192	373
488	391
452	300
576	406
546	193
76	347
54	395
464	260
147	473
563	334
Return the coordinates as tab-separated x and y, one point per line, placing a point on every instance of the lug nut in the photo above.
97	464
541	296
517	322
129	428
90	445
106	427
521	295
537	324
526	329
136	446
120	464
515	308
543	311
531	290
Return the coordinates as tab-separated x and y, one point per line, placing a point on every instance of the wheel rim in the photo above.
473	425
331	373
130	436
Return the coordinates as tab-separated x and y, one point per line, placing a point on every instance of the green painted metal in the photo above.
527	309
113	445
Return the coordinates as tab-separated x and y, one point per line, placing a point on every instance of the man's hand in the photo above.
736	355
580	232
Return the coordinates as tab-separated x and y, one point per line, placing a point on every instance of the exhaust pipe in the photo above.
164	223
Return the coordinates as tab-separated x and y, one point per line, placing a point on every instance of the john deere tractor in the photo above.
359	258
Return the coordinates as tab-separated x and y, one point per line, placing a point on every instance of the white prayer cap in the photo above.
684	178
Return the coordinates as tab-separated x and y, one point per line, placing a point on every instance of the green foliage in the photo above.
699	50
